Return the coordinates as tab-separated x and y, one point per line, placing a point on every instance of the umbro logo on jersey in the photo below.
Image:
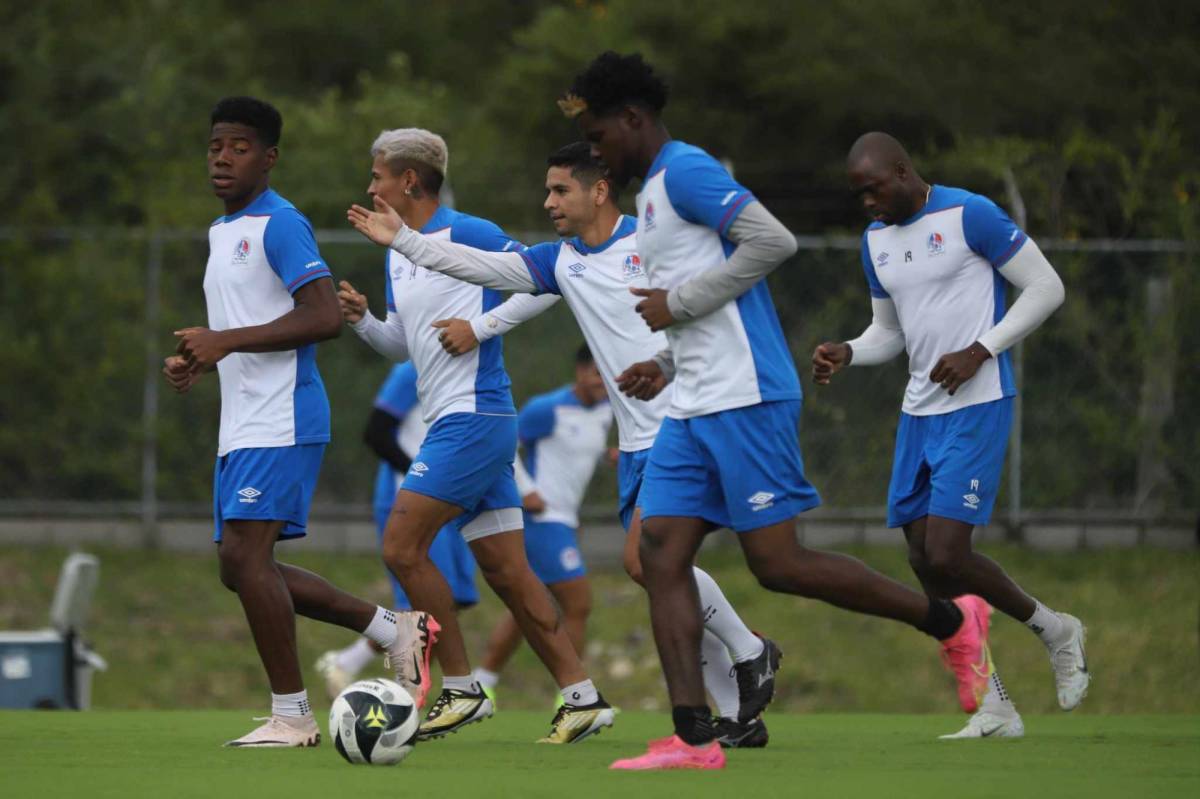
311	264
936	244
249	494
241	252
576	269
761	501
725	200
418	469
881	259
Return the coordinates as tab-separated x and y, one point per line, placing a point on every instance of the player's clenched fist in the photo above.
828	358
457	336
354	305
644	380
178	373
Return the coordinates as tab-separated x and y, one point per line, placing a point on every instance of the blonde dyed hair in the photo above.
403	146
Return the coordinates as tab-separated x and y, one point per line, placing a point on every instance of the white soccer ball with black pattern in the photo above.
373	722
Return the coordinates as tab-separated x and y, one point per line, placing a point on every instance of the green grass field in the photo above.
177	754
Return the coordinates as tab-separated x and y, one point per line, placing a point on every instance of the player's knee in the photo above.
944	564
231	562
633	567
504	578
918	562
401	557
774	576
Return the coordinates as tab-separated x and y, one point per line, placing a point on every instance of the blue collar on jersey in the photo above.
442	218
657	165
260	203
626	226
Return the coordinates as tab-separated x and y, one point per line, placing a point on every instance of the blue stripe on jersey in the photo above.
540	260
538	418
876	288
773	363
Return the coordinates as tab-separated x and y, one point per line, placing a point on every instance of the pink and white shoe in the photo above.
416	633
966	652
280	732
668	753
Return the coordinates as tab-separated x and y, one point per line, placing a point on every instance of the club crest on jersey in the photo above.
648	216
576	269
241	252
936	244
632	267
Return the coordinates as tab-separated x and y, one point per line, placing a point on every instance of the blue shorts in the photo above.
949	464
553	551
268	483
450	553
739	468
630	468
467	460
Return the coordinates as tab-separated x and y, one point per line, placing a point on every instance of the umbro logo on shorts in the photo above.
761	501
418	469
249	494
971	501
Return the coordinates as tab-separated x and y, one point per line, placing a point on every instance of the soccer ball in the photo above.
373	722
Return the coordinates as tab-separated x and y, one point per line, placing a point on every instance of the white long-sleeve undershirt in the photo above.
505	271
387	337
1041	290
516	309
882	340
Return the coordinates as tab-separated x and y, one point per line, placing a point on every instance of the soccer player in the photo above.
727	454
270	300
936	261
463	470
394	432
564	434
593	271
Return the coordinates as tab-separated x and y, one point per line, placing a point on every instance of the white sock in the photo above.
382	629
291	705
466	683
723	621
996	696
355	657
718	675
486	679
1047	624
580	693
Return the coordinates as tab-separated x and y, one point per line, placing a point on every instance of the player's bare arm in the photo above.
828	359
315	317
955	368
457	336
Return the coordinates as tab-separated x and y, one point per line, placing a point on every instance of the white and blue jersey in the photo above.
595	282
563	441
257	260
941	268
737	355
472	383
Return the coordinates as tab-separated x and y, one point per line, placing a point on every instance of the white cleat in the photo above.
1071	676
408	656
1002	722
279	733
336	678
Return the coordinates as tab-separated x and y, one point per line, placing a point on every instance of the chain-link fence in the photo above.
1107	423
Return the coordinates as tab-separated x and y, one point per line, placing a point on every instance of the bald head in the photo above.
882	176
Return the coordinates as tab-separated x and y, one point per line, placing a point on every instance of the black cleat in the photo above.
756	681
735	735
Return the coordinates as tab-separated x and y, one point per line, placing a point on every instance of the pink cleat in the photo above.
966	652
672	752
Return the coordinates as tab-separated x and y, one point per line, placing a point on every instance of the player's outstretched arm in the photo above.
315	317
505	271
388	338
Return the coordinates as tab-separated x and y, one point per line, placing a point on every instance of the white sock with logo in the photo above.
580	693
290	705
996	697
466	683
718	675
486	679
1047	624
382	629
355	657
723	620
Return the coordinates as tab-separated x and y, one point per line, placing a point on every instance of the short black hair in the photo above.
252	112
613	81
583	356
585	167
